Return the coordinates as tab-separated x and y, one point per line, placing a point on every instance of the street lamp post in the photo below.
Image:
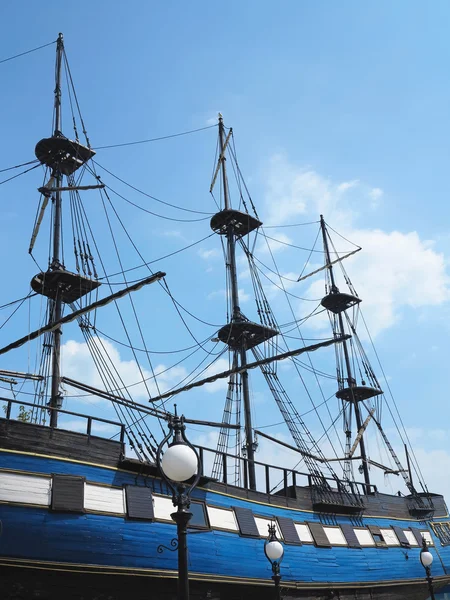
178	464
274	551
426	558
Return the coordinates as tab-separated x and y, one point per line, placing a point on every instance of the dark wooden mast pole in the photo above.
56	396
350	379
231	245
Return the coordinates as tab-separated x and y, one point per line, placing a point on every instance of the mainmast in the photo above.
56	396
338	303
240	334
236	315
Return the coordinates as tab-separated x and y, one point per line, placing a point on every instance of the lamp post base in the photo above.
182	517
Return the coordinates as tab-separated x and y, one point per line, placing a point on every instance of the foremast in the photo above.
62	157
56	313
351	381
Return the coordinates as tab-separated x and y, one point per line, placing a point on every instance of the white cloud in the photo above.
393	271
347	185
208	254
77	364
376	193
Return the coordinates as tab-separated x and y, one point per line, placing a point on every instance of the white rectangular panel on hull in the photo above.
25	489
222	518
103	499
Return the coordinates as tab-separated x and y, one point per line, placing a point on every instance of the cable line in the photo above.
27	52
198	212
19	174
164	137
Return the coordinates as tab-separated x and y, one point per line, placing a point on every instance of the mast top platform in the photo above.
358	393
242	222
68	286
238	334
336	302
62	155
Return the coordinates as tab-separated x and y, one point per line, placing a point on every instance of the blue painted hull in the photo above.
33	535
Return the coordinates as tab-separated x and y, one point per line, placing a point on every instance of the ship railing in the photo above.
26	416
270	479
233	471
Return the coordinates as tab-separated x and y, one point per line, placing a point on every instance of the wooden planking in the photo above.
139	503
29	437
103	540
67	493
319	535
222	518
103	499
246	521
25	489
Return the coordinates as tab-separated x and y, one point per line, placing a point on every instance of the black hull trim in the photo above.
30	580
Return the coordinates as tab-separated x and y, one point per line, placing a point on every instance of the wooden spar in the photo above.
70	188
328	265
151	412
387	470
20	375
360	433
252	365
302	452
294	448
219	162
78	313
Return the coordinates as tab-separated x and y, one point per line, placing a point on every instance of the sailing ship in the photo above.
86	512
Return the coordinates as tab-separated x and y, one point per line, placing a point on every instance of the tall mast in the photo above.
351	382
56	396
236	314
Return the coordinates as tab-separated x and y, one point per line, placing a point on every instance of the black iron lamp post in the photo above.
179	464
426	558
274	551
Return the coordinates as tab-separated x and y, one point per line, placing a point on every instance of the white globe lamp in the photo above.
274	550
179	462
426	558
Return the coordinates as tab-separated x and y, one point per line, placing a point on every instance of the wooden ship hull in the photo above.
98	541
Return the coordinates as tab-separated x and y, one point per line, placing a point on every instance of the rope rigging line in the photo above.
416	463
145	264
19	174
26	52
149	211
97	330
309	357
199	212
157	139
22	301
30	162
163	285
30	295
291	225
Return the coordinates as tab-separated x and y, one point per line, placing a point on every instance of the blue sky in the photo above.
340	107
